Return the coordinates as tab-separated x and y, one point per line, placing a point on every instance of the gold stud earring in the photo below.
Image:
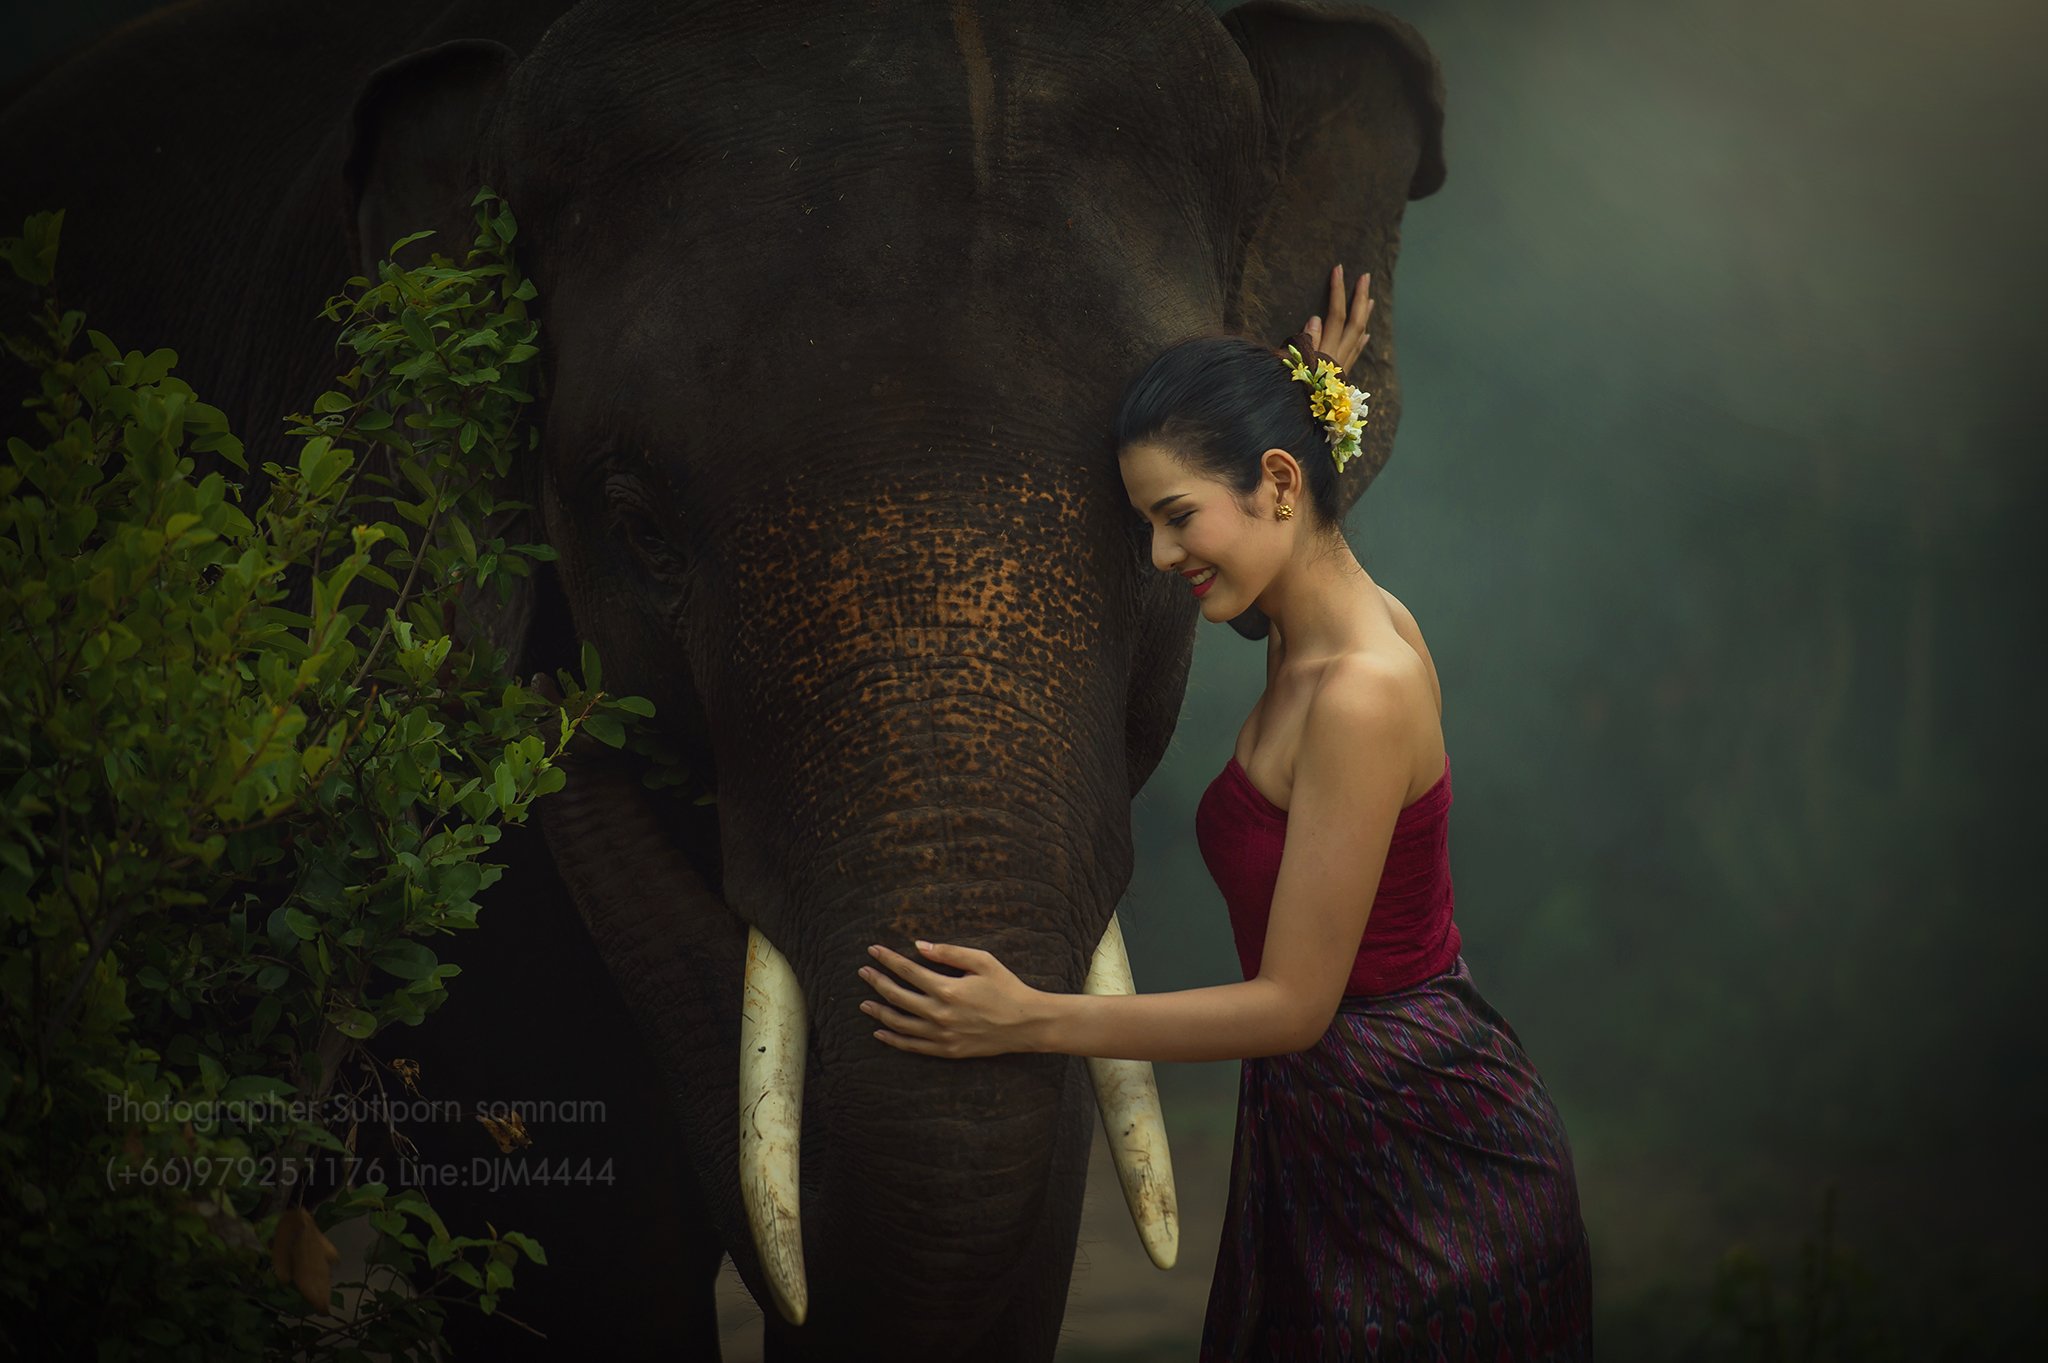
1283	512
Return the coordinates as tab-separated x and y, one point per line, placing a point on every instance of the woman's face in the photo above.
1199	531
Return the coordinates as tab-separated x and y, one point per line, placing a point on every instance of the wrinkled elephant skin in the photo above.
836	305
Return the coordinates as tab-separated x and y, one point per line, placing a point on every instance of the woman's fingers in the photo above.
902	1022
894	992
1350	341
1361	297
927	980
915	1045
1344	339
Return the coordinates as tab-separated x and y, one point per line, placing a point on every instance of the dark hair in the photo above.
1220	402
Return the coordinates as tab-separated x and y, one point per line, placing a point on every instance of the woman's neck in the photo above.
1314	607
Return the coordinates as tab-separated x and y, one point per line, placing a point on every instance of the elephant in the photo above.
836	303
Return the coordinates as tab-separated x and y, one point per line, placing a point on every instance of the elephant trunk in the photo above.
919	728
772	1062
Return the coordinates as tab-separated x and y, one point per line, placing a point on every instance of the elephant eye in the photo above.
629	514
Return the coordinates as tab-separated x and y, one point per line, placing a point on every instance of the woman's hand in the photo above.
1347	335
987	1011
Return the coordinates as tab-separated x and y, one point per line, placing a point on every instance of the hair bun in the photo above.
1305	343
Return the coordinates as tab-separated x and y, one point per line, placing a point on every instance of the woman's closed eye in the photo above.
1175	521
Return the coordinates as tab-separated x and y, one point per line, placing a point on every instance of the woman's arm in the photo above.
1219	1022
989	1011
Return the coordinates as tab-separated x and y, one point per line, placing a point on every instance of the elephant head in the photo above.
837	305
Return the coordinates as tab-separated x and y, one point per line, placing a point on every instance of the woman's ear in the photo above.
1281	467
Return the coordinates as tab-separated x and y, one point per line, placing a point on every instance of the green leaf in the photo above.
301	923
268	1008
246	1086
416	329
526	1243
354	1022
408	960
33	254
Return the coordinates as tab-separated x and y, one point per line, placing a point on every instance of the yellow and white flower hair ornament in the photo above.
1335	403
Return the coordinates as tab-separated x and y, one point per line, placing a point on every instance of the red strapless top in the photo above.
1409	935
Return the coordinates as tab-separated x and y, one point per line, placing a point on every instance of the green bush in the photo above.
252	767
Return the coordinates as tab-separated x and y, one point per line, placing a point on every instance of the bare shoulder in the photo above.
1358	700
1360	688
1364	704
1411	634
1379	704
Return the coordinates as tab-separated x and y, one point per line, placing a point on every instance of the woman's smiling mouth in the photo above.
1203	580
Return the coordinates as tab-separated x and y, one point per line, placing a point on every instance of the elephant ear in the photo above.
1352	105
415	151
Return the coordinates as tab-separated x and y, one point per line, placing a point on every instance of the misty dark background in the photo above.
1723	429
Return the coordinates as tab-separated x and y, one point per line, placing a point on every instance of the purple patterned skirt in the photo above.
1403	1189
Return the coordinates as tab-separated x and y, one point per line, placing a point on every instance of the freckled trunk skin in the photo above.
884	643
918	723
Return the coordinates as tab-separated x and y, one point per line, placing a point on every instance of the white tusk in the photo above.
1128	1098
772	1055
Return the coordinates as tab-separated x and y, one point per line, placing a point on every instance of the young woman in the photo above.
1401	1184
